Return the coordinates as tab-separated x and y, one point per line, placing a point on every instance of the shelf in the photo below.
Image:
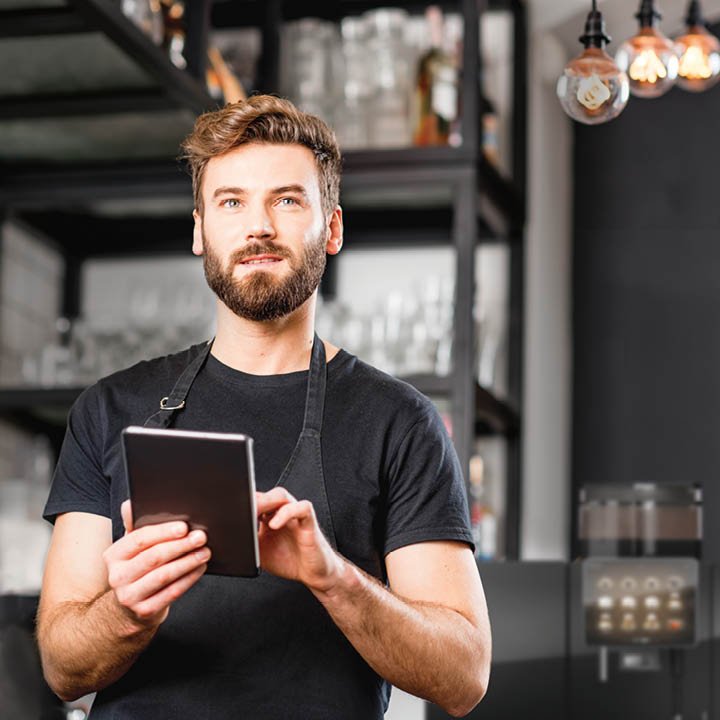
431	385
88	84
493	416
386	204
142	231
362	169
49	406
39	410
38	398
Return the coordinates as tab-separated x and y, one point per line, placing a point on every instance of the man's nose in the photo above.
260	224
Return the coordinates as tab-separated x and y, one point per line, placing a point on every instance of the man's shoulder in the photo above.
141	384
151	372
364	386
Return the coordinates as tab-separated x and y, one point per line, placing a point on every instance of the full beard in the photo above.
260	296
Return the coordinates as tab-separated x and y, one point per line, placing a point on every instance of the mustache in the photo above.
267	248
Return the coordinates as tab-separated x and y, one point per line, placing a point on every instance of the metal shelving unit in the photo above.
168	86
401	198
81	68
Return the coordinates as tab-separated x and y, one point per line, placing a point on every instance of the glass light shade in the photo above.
699	65
651	62
592	89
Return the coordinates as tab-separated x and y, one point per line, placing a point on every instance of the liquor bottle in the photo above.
482	518
489	142
174	41
436	88
453	39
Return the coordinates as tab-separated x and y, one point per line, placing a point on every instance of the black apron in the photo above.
261	648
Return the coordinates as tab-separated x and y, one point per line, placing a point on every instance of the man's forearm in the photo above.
425	649
86	646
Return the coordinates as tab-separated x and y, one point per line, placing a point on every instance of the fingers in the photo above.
125	570
278	507
272	500
137	541
163	599
300	510
152	566
293	546
151	592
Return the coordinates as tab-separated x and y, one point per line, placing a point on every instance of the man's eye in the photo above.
288	201
230	203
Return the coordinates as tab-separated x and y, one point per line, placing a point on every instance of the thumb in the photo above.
126	513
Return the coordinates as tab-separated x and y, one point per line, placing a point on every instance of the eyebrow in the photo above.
294	188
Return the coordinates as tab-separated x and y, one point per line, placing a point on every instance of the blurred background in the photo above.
550	284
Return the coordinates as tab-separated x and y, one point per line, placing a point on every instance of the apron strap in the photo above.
175	401
317	380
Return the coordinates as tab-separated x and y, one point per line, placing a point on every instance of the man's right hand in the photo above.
151	567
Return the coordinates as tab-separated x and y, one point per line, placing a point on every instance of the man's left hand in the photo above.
292	545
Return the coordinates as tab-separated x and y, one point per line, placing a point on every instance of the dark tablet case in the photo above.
206	479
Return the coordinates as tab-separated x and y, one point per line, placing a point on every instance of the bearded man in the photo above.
369	577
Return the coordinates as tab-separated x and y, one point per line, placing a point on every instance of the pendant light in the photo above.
592	89
649	58
699	51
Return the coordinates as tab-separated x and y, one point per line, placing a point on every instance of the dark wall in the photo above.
23	692
647	298
527	603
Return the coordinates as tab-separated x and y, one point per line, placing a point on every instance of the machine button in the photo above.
628	584
651	622
652	584
675	582
628	623
675	602
605	623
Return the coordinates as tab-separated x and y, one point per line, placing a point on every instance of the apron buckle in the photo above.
164	404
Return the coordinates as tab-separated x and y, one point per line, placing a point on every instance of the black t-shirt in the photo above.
392	475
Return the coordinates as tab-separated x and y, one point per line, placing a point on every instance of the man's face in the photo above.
263	234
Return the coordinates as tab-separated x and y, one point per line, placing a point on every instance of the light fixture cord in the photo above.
648	14
694	14
595	35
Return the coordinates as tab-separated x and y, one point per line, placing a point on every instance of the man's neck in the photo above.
266	348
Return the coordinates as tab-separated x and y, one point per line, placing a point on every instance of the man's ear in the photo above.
335	232
197	246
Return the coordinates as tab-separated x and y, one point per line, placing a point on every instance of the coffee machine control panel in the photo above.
640	601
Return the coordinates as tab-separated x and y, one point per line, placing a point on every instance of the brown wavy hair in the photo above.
263	119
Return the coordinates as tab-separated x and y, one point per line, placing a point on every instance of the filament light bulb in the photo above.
649	58
592	92
699	51
647	67
592	89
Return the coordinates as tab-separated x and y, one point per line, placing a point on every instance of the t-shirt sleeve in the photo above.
426	490
79	484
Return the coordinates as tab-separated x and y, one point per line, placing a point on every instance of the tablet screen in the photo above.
205	479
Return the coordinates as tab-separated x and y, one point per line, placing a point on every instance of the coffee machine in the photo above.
639	602
640	546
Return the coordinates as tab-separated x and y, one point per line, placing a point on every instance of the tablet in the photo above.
205	479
